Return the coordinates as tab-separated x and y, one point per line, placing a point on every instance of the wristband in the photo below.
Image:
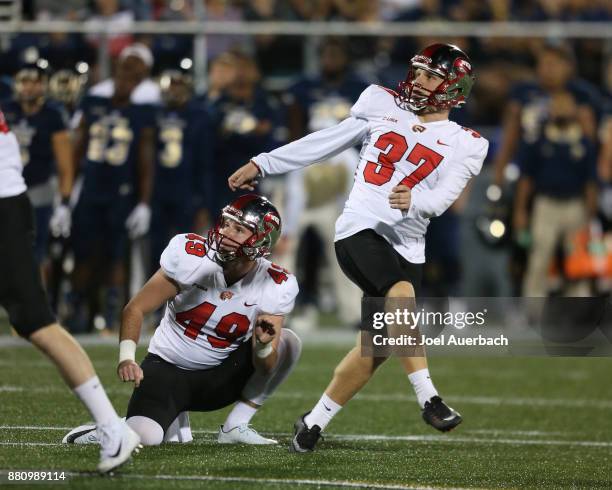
127	350
65	201
263	350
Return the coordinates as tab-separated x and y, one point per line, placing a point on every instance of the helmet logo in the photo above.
225	295
464	65
272	218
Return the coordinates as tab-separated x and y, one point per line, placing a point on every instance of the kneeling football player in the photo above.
221	338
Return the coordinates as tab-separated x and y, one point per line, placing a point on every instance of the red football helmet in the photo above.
446	61
258	215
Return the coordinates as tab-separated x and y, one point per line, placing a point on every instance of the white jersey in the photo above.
436	160
11	178
207	319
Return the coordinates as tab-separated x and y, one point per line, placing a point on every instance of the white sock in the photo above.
323	412
240	414
93	396
423	387
179	430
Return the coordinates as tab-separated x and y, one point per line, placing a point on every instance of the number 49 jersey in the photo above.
208	319
435	160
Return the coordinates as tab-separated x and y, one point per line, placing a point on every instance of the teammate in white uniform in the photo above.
414	164
221	338
23	296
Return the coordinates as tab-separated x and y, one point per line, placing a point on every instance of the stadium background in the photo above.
472	249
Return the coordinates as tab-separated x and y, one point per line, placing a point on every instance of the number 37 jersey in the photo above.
207	319
435	160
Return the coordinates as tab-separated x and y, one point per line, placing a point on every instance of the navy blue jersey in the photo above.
244	129
534	102
183	155
560	166
322	101
113	136
35	133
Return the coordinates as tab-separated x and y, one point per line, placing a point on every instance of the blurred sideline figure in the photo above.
114	146
41	128
559	172
146	90
182	192
23	296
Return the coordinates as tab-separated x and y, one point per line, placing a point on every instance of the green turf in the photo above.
523	418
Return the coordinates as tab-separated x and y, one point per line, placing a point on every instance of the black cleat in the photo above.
305	439
440	416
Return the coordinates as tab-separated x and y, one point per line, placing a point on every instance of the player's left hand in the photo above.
244	177
61	220
400	197
138	221
264	330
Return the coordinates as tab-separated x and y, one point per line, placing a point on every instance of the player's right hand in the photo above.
130	371
244	177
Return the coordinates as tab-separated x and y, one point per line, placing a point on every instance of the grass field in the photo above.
529	423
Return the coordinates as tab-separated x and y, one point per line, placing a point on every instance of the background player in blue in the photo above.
327	96
115	146
182	193
530	103
41	128
248	121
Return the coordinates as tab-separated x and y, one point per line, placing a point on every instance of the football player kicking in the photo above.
414	164
221	338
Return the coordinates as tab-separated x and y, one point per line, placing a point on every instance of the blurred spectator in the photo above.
328	96
559	173
168	48
61	50
315	10
109	15
471	11
250	122
222	73
275	55
142	8
222	10
392	9
403	48
58	9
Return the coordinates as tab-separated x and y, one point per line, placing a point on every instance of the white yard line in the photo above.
373	438
290	481
504	432
270	481
392	397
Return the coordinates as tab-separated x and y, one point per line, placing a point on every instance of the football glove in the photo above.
138	221
61	221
